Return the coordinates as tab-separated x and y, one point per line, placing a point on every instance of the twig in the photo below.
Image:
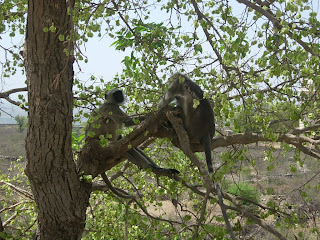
203	211
114	190
12	217
19	190
120	173
126	221
13	206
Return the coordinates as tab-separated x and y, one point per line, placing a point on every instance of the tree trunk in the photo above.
1	228
60	196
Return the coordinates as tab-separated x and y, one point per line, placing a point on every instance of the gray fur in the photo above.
110	118
198	122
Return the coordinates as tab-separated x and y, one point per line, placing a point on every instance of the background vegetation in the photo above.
258	63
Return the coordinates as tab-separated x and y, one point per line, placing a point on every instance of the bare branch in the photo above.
114	190
6	95
15	90
145	211
252	217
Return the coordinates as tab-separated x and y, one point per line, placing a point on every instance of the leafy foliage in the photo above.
258	63
246	191
18	213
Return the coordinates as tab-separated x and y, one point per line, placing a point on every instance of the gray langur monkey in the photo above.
198	121
109	120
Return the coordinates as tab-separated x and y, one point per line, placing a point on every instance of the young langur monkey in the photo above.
108	122
197	120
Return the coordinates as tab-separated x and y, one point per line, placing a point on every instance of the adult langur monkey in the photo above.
108	122
197	120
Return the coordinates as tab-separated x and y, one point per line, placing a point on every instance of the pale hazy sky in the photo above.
104	61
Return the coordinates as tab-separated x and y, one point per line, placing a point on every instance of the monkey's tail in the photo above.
206	141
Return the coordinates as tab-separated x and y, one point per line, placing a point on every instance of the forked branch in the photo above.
6	95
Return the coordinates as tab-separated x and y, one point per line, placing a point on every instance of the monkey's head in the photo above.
115	96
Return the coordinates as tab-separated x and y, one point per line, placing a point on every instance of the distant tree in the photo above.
21	122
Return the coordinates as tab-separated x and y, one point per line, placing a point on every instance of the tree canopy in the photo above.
258	63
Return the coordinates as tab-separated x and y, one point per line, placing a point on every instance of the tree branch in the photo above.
94	159
15	90
19	190
6	95
152	124
276	23
183	137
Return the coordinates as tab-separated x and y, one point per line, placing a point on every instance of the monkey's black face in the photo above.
118	96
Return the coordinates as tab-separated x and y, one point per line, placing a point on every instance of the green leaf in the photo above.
61	37
187	218
196	103
293	168
52	28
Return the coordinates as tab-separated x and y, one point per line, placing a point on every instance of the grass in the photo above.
12	142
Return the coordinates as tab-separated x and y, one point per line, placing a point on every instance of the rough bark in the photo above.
1	228
60	196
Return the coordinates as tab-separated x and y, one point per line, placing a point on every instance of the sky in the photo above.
104	61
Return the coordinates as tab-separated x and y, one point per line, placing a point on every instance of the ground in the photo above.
287	179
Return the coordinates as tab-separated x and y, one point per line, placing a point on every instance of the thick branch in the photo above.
248	138
95	159
183	137
306	129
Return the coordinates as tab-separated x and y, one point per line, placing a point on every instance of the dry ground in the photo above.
286	185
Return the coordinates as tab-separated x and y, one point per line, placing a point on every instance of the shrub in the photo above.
246	191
